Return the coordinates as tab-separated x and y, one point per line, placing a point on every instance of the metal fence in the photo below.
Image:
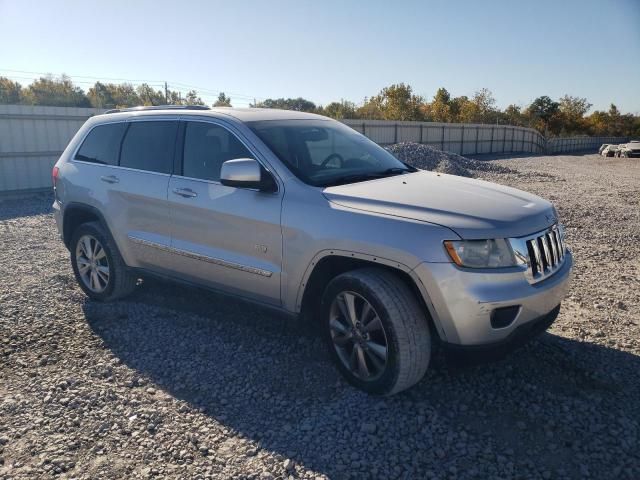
464	139
580	144
32	139
475	139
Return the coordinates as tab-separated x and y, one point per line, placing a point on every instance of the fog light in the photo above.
503	317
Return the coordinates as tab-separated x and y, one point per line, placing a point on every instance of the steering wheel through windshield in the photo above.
326	161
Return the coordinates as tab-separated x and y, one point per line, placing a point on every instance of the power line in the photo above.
82	76
154	83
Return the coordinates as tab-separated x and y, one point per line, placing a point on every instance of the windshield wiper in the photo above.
396	170
356	177
361	177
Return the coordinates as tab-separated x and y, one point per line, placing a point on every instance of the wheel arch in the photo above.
328	264
75	214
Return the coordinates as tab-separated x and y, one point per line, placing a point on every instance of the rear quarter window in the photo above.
102	144
149	146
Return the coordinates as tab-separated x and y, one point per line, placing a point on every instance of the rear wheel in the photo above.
97	264
377	333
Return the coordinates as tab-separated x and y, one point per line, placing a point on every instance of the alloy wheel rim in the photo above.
358	336
92	263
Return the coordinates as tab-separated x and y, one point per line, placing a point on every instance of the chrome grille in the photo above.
543	253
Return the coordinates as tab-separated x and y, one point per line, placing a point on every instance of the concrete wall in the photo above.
32	139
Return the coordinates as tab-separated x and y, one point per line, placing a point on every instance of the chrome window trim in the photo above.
123	168
198	256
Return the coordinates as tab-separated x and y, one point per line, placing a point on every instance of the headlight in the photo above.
481	253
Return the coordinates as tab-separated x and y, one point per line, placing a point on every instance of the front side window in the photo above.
149	146
102	145
325	152
207	147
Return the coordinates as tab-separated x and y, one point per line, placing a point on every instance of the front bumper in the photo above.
462	301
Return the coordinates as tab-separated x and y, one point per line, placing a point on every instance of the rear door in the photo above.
225	237
137	200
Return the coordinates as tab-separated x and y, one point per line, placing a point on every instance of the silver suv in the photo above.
301	213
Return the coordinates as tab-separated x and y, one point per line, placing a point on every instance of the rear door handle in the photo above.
109	179
185	192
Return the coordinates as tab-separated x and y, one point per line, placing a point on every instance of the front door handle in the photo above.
185	192
109	179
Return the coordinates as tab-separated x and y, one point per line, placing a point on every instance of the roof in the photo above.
257	114
241	114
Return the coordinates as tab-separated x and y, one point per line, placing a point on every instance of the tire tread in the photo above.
409	322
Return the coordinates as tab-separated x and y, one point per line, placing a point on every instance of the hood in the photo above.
474	209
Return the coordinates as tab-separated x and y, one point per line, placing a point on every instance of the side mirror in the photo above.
246	173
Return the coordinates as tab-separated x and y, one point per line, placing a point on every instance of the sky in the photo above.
334	49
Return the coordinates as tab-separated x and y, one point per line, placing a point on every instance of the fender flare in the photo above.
77	206
373	260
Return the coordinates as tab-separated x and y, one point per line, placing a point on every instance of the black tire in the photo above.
121	281
406	328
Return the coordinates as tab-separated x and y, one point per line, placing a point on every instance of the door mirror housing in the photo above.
247	173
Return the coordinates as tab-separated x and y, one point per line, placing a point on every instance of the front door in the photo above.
225	237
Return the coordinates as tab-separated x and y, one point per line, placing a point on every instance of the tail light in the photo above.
54	176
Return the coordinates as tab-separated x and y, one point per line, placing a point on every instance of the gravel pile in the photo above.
426	157
180	383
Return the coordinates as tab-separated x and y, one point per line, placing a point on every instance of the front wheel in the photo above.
378	334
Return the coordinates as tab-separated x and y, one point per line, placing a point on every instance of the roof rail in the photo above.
159	107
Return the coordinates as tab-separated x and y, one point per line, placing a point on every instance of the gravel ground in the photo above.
180	383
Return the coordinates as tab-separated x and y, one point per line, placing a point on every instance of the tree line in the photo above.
565	116
62	92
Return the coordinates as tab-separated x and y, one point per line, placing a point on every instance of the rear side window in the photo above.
149	146
102	145
206	147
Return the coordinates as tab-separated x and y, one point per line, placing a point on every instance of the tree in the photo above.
572	111
369	111
100	96
149	96
55	92
175	98
396	102
10	92
110	95
299	104
485	105
541	111
456	106
192	98
340	110
223	101
439	110
513	116
124	95
479	109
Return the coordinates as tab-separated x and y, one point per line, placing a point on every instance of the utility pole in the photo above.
166	93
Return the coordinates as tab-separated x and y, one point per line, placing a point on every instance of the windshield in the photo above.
326	152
